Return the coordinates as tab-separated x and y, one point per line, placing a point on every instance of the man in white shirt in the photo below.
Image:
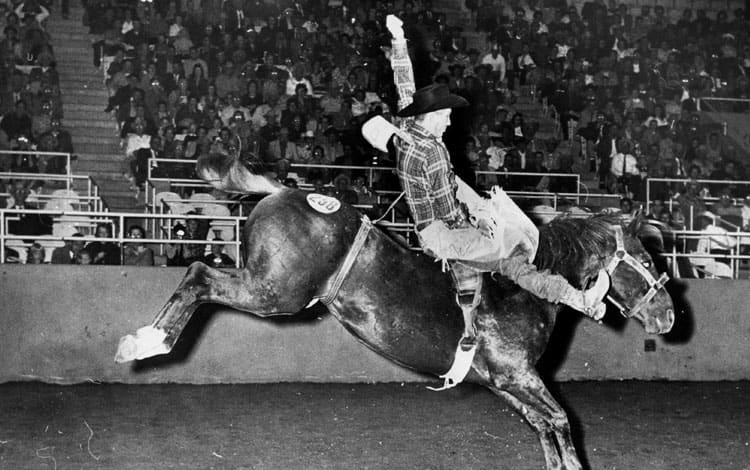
40	12
495	60
235	105
624	164
137	140
296	78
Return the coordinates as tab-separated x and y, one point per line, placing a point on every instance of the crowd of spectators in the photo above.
290	82
30	101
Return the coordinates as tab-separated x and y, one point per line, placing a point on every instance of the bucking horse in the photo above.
301	247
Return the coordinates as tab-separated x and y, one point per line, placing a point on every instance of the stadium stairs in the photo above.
95	135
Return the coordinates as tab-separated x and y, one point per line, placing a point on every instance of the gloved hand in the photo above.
395	27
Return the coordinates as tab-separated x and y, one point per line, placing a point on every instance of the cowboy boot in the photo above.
555	288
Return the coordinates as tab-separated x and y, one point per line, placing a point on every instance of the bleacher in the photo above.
168	200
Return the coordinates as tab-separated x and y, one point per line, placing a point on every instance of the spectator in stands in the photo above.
227	81
68	254
25	223
342	189
36	254
716	241
18	122
495	59
691	203
623	169
137	153
104	252
296	79
137	253
184	254
84	257
217	258
281	148
32	9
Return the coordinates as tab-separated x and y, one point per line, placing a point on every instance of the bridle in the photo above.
622	256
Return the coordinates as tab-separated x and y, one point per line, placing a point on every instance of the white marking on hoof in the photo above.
147	342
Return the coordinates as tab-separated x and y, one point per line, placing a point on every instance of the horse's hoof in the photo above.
126	350
147	342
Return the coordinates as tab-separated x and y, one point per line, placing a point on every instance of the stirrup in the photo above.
460	368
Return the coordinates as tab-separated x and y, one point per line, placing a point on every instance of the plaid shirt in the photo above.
425	172
424	168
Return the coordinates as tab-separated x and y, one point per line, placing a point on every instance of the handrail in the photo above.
101	216
92	189
13	153
649	181
701	99
741	239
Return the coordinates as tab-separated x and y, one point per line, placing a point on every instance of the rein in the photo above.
622	256
346	266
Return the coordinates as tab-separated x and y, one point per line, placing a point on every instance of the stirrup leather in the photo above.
468	284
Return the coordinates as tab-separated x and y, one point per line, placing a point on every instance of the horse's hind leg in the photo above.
202	284
529	396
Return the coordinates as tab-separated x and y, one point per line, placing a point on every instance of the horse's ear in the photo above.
635	224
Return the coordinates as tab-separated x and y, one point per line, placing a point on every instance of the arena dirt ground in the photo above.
619	425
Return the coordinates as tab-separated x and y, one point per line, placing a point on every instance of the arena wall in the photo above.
62	324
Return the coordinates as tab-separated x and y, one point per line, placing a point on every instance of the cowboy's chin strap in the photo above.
468	283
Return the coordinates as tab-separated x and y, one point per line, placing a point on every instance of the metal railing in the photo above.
92	189
651	182
118	219
369	171
720	105
733	257
9	154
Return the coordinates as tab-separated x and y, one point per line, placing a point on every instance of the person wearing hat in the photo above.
435	197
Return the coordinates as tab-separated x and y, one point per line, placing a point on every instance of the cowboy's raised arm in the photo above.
403	74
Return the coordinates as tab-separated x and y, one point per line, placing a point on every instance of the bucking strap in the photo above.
346	266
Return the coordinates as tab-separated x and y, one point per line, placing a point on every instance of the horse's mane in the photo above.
567	245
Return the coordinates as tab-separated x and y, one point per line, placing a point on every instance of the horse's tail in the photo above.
228	173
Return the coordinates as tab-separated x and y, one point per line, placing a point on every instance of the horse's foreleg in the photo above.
530	397
201	284
544	433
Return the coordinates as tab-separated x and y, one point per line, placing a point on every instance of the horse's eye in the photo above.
646	264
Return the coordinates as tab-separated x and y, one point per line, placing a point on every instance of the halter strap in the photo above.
622	256
359	241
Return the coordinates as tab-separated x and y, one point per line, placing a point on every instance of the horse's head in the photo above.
637	288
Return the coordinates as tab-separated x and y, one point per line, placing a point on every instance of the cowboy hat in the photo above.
432	98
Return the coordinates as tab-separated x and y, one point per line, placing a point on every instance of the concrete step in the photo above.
87	81
70	35
99	101
124	204
76	107
90	122
100	169
74	118
101	137
80	64
82	56
103	147
87	158
81	79
85	95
